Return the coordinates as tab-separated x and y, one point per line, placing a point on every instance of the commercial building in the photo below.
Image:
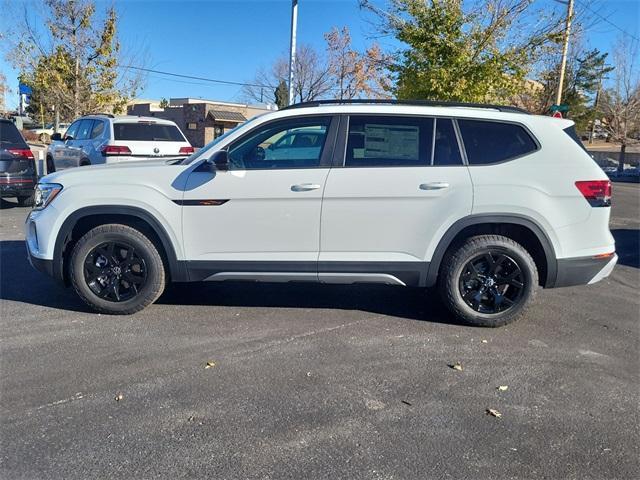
200	120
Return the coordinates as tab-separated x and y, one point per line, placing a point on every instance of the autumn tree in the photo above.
621	101
354	74
480	53
71	57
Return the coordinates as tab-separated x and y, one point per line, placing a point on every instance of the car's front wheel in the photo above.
488	280
116	269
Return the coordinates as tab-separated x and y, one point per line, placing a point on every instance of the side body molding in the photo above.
457	227
177	270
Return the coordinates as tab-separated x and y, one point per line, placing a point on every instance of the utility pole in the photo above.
565	49
292	50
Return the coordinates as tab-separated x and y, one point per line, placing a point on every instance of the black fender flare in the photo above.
458	226
176	268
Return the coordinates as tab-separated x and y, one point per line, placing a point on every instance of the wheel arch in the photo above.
82	220
521	227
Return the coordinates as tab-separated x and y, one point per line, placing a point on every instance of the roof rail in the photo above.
424	103
109	115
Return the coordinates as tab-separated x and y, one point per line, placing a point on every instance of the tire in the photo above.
109	279
85	162
51	166
479	297
25	201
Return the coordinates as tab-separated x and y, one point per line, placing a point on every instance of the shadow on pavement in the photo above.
19	282
627	246
4	204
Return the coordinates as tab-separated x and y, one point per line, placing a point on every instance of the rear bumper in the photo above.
17	186
584	270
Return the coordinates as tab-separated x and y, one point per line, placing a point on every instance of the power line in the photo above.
608	21
204	79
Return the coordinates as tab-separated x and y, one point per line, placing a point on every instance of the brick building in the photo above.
200	120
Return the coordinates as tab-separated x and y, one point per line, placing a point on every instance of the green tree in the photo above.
281	94
164	103
71	60
478	54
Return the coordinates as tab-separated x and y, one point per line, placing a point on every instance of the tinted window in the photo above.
98	129
10	134
71	131
389	141
143	131
290	144
492	142
83	130
445	148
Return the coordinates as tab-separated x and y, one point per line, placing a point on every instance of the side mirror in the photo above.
220	160
56	137
67	138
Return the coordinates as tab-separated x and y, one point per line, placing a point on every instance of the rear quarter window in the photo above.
488	142
149	132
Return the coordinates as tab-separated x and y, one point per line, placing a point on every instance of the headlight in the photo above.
45	193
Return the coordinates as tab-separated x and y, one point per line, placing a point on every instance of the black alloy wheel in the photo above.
492	282
115	271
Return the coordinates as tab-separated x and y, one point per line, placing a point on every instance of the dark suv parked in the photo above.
18	175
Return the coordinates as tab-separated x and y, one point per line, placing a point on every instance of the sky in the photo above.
229	40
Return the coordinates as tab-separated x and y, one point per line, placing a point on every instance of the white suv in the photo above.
486	202
96	139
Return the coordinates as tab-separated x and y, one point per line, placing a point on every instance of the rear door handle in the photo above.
434	186
304	187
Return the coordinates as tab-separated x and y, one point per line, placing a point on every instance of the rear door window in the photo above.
9	134
84	130
488	142
147	132
389	141
98	129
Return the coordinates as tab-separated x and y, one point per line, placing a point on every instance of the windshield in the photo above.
216	141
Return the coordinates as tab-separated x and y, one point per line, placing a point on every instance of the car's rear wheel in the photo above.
51	167
488	280
25	200
116	269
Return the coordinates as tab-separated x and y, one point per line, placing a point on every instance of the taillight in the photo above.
21	152
109	150
596	192
186	150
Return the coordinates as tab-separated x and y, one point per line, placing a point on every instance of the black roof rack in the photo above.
423	103
99	115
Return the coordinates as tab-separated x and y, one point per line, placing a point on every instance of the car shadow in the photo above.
627	246
19	282
5	204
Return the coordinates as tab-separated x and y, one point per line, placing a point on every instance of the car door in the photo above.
61	152
262	216
398	184
77	146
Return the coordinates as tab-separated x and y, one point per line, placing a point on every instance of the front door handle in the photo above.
304	187
434	186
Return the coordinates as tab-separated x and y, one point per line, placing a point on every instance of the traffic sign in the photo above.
563	107
557	114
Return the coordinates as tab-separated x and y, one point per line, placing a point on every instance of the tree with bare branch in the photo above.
621	101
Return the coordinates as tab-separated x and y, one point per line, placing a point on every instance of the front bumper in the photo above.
40	264
584	270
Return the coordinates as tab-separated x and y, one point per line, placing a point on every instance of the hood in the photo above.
126	172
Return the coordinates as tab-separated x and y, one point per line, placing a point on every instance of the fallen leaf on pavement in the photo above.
456	366
406	403
484	341
503	388
118	397
493	413
210	364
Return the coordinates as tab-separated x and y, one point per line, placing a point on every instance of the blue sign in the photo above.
24	89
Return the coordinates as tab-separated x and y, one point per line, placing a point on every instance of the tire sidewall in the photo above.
527	268
152	263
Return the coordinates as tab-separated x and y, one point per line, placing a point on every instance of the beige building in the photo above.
200	120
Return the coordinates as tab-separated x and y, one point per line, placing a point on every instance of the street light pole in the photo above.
292	50
565	49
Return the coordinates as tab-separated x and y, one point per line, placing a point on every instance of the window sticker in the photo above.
391	141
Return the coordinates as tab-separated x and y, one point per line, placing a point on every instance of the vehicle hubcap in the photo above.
114	271
492	282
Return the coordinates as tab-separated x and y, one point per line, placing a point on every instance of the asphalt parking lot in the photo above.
318	381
